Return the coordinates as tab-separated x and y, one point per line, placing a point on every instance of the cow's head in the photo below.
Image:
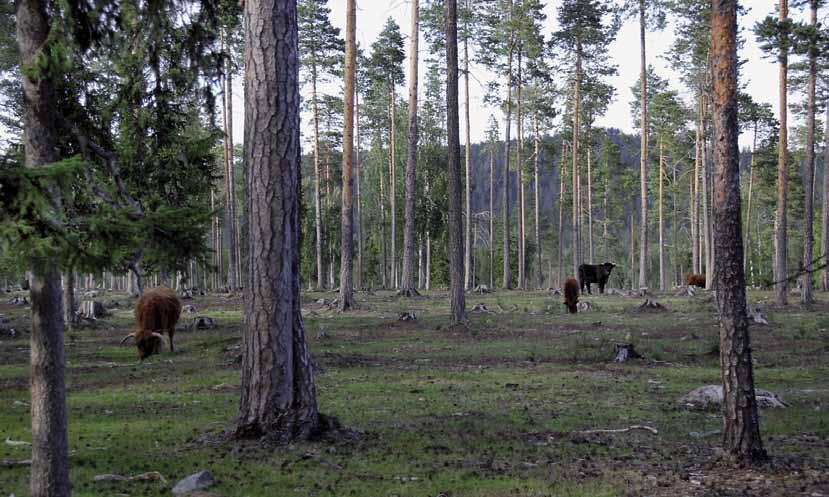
147	343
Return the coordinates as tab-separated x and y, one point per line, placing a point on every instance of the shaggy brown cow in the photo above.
571	295
157	311
696	280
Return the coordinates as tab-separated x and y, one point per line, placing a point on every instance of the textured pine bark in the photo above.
346	298
741	427
806	290
456	291
643	153
278	398
781	233
695	234
50	453
561	169
407	284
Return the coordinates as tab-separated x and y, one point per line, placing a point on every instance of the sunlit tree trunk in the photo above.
741	425
747	261
781	234
50	453
346	299
695	207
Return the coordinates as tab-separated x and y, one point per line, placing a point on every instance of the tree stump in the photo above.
482	289
481	308
92	310
651	306
584	306
407	316
757	316
19	301
625	351
203	323
189	309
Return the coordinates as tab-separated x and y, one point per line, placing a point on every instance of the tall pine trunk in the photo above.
643	152
575	150
781	234
741	425
590	252
507	278
747	261
492	216
663	277
696	259
346	299
50	454
358	182
407	285
468	241
537	197
230	185
395	283
561	169
278	397
824	232
456	290
706	219
519	131
317	191
806	292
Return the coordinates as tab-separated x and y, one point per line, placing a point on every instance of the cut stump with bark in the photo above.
625	351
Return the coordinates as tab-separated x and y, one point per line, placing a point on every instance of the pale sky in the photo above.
760	73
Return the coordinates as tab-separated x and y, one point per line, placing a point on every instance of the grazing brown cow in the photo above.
157	311
696	280
571	295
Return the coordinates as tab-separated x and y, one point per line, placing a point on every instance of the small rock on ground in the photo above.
198	481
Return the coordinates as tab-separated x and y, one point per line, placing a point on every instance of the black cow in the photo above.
595	273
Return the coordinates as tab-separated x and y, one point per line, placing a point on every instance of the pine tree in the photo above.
407	286
346	298
321	57
586	28
456	290
279	406
741	426
774	37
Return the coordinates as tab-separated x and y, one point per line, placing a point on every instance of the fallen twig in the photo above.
623	430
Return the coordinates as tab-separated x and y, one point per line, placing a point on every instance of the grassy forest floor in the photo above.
492	410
